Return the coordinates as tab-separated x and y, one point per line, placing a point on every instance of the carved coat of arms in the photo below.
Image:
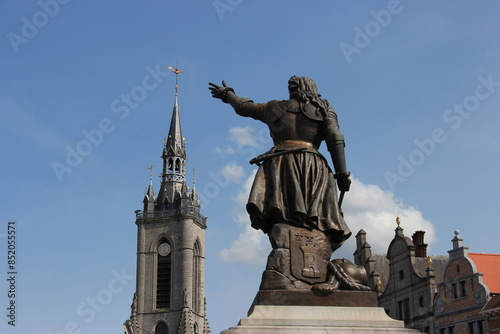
308	255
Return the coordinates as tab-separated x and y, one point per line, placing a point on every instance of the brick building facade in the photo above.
454	294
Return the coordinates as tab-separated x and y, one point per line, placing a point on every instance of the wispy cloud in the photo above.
14	119
242	136
233	172
228	150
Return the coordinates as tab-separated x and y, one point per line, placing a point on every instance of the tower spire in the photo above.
174	156
170	248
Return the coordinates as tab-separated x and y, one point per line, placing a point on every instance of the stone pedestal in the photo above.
281	319
283	312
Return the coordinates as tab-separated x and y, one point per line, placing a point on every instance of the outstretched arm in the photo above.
242	105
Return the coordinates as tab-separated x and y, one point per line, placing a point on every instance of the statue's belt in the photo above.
285	147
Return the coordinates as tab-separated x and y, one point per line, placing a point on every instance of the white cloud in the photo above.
365	207
242	136
233	171
229	150
374	210
251	246
239	212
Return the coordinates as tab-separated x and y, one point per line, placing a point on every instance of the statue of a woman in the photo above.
294	195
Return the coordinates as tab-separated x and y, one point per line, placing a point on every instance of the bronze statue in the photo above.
294	195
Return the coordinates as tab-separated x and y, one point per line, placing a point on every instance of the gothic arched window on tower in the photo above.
195	328
163	275
178	166
196	277
170	165
161	328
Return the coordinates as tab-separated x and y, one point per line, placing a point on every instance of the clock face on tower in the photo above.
164	249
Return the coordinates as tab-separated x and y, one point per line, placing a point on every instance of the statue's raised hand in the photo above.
220	92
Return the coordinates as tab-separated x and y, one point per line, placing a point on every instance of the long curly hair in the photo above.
306	92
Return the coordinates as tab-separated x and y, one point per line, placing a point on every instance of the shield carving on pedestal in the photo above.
308	255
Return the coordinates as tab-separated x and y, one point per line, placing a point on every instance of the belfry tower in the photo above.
169	297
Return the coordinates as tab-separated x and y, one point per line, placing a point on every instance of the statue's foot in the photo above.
326	288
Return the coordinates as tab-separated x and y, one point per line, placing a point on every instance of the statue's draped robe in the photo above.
296	188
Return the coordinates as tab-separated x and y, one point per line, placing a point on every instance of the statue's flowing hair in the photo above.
306	93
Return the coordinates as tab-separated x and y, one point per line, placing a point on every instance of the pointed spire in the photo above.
174	156
175	145
149	196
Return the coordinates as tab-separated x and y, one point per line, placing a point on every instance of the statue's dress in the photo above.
294	184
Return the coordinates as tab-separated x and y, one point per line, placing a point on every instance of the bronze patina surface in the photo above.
294	198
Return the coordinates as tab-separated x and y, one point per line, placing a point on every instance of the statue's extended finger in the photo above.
224	83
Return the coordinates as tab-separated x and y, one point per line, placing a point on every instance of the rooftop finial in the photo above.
150	173
398	221
429	261
176	71
194	181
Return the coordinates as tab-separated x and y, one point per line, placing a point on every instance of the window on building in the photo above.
404	310
401	275
472	329
178	165
161	328
455	290
163	277
481	327
170	165
462	287
477	327
196	277
195	328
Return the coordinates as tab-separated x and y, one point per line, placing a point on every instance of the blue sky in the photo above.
416	86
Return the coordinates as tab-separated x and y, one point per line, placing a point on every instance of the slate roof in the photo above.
439	263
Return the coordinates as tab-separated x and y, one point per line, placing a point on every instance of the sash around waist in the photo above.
285	147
